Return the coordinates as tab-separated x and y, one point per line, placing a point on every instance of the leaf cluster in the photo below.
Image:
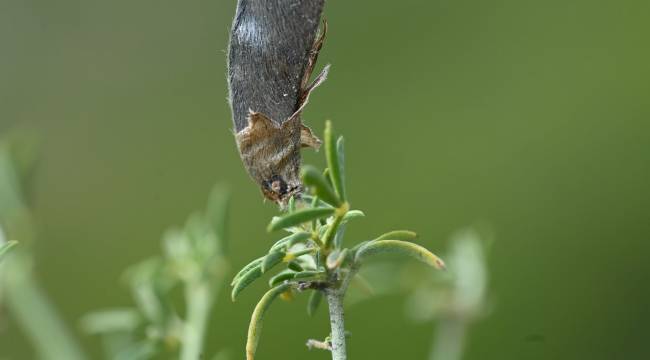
193	263
312	253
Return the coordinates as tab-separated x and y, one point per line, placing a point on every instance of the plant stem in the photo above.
199	301
448	344
33	311
330	234
335	303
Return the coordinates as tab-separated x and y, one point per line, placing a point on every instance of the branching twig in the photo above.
317	344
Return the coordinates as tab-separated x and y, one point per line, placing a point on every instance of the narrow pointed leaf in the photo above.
353	214
302	252
299	217
298	238
257	318
336	258
332	230
340	150
401	247
290	240
4	249
360	245
398	235
338	237
281	277
314	300
245	280
333	161
246	268
280	244
271	260
308	274
295	266
318	203
312	177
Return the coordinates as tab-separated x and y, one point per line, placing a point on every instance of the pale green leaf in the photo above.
245	280
271	260
314	179
401	247
398	235
245	269
290	240
353	214
4	248
333	161
299	217
255	326
314	300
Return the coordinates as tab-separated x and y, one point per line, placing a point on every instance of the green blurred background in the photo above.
530	116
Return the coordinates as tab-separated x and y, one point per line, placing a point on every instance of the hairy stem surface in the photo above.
335	303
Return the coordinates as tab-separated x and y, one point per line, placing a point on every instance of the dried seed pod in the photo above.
272	54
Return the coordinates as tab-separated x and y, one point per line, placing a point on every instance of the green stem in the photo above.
33	311
338	218
198	297
448	344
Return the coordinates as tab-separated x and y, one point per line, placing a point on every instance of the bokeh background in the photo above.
532	117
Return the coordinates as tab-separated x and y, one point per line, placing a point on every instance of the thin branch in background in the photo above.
193	257
19	290
456	301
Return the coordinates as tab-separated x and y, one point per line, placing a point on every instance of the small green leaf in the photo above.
326	174
314	300
314	201
246	268
302	252
298	238
353	214
399	235
360	245
289	241
308	274
281	277
245	280
333	228
338	237
312	177
255	326
299	217
280	244
292	204
333	161
340	149
4	249
402	247
271	260
336	258
295	266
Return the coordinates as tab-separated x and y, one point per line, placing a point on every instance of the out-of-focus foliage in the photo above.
456	300
193	261
5	246
20	293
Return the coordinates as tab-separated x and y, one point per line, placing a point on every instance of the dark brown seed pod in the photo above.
272	54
